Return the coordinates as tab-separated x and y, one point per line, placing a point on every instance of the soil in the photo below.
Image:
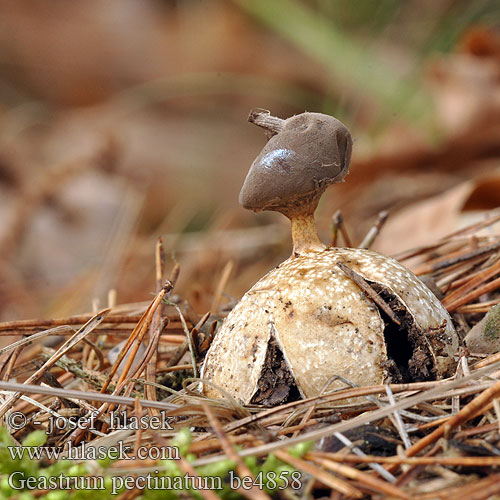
410	357
276	384
371	439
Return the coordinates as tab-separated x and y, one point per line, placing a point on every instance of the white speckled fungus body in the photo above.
323	323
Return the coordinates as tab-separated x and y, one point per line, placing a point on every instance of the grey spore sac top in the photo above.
311	152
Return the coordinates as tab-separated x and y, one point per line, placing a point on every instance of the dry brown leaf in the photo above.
429	220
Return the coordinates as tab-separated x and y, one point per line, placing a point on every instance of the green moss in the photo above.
271	474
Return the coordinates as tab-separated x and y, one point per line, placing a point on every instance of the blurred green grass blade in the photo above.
209	83
350	64
455	21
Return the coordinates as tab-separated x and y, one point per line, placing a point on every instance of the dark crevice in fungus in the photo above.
408	351
276	384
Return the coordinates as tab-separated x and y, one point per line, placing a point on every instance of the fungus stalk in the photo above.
304	235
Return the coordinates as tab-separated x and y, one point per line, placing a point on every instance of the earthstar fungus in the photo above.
308	320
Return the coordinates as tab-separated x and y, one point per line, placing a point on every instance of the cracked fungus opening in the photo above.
409	354
276	384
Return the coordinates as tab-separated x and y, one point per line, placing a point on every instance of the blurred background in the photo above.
125	120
